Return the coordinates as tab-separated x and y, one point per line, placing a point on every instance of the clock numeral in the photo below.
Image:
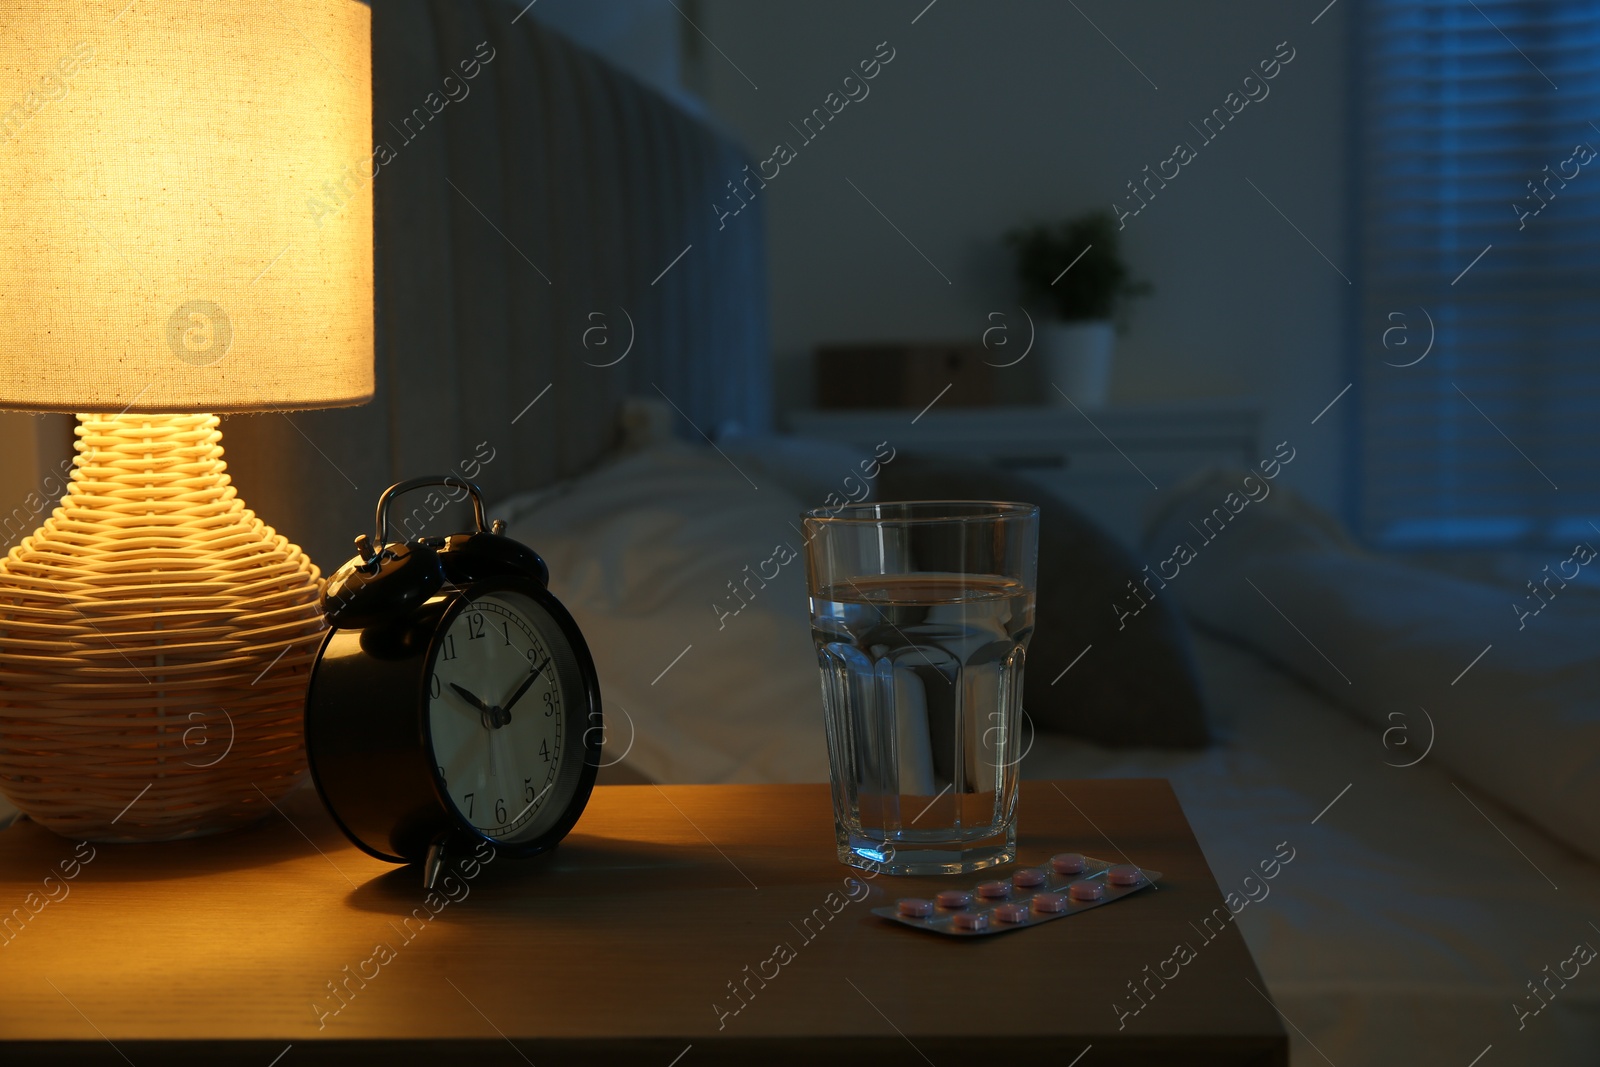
549	703
505	628
544	750
468	798
433	686
500	812
527	790
449	647
474	626
442	780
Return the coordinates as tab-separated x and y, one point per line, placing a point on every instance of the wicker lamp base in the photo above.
155	643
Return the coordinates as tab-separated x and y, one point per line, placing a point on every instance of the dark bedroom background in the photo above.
1318	243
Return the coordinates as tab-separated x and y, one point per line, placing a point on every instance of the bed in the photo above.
1407	927
546	252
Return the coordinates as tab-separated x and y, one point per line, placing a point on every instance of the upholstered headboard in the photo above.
525	215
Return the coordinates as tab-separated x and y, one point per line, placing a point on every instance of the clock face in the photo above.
497	714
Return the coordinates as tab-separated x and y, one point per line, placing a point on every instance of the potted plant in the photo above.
1074	273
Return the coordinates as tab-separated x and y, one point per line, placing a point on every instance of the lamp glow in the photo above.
165	247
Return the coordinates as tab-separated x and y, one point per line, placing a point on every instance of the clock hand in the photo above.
470	699
496	764
523	688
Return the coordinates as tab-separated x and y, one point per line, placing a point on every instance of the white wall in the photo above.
998	113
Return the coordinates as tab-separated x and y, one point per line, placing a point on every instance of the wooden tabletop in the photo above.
626	946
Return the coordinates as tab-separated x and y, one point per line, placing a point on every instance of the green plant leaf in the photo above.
1074	269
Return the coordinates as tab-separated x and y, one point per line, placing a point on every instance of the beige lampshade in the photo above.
185	204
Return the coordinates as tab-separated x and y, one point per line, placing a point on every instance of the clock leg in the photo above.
434	864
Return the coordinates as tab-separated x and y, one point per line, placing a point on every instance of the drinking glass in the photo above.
921	613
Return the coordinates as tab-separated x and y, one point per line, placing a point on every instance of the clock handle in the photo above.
448	481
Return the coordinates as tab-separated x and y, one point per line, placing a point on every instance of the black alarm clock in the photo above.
453	702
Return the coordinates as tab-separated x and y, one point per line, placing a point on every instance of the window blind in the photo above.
1478	305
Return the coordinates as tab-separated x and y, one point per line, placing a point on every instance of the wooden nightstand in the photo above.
625	946
1108	461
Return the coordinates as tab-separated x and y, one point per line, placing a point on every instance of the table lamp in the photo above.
185	229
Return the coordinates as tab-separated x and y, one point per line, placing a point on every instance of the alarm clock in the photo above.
453	702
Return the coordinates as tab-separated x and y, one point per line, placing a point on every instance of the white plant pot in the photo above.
1077	360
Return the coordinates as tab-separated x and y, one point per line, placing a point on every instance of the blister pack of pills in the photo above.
1068	884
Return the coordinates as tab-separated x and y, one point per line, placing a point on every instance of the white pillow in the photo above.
689	586
1514	703
817	473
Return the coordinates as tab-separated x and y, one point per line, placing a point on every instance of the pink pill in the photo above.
915	908
1012	913
953	898
1067	863
994	889
1124	874
1028	876
1049	902
1086	890
971	920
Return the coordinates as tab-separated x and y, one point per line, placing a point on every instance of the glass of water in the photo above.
921	613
